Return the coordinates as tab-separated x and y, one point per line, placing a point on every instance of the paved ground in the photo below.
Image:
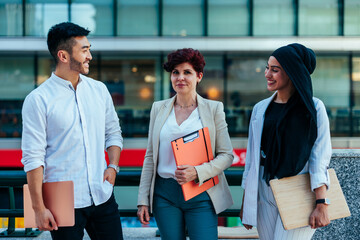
129	234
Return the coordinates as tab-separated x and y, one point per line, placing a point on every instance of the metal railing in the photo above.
12	179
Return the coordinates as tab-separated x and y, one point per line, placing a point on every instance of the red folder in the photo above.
58	198
194	149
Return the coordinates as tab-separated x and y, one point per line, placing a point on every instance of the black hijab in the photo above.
296	130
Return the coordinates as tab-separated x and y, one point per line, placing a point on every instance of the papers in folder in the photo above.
296	201
58	198
194	149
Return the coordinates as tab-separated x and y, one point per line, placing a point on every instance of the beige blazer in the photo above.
212	116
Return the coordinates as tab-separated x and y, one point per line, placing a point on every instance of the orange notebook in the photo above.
58	198
194	149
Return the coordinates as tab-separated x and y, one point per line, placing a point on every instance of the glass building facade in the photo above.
150	29
184	18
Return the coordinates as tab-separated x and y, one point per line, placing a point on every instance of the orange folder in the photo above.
58	198
194	149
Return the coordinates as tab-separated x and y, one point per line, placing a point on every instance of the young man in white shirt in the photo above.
67	121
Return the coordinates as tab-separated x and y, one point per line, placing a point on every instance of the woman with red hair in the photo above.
160	185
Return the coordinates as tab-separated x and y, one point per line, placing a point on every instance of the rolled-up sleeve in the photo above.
33	142
112	127
321	152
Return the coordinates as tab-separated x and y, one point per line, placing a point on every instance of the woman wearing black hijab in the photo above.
288	135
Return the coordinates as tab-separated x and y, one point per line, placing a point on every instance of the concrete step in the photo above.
149	233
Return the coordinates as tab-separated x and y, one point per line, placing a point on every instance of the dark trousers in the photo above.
101	222
173	214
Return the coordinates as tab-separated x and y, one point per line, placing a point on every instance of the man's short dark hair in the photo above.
61	37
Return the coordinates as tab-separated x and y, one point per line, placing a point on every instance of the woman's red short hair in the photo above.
188	55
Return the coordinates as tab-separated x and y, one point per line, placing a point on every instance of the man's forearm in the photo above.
35	179
114	154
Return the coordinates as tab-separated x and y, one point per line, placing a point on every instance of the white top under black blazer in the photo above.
212	116
316	166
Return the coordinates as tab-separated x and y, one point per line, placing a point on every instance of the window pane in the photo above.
356	80
246	86
46	65
11	18
16	81
94	68
95	15
132	83
331	81
184	18
318	18
137	17
331	84
356	86
228	18
212	84
16	77
43	14
273	19
352	17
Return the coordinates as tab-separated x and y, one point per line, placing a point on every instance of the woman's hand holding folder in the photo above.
185	173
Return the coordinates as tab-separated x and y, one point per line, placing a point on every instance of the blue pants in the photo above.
101	222
173	214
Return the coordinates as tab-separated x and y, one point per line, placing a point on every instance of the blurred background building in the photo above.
131	38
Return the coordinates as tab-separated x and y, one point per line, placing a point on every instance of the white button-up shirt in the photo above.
66	132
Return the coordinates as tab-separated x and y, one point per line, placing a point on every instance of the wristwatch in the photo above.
117	169
325	201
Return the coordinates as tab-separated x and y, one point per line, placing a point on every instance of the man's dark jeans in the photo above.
101	222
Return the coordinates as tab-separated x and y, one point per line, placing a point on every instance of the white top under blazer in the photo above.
169	132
